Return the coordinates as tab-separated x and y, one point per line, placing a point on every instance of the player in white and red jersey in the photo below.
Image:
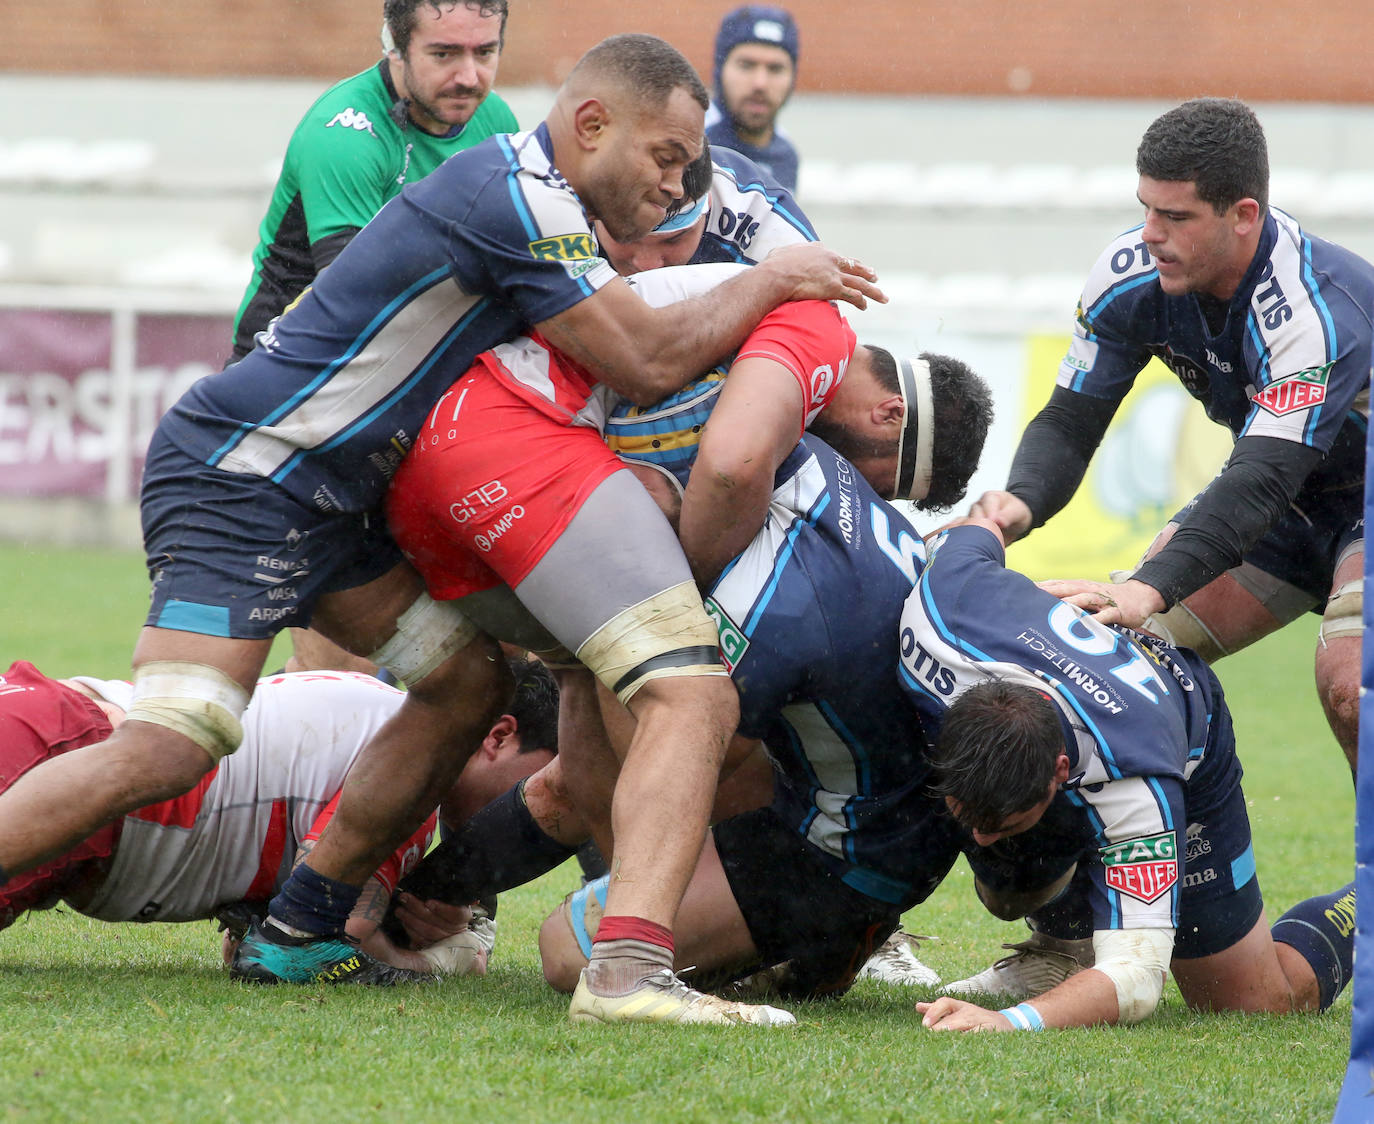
234	837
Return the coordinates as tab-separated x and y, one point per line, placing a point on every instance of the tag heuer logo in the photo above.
1144	869
733	643
566	247
1296	392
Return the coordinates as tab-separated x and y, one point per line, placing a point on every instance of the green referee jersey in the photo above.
347	157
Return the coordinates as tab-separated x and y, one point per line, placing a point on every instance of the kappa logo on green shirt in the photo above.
351	118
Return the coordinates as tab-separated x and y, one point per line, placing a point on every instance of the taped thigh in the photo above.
668	634
196	700
1344	613
426	635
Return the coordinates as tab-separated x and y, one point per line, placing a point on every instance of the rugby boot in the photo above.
268	956
663	998
1034	966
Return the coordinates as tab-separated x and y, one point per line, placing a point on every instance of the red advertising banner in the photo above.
76	409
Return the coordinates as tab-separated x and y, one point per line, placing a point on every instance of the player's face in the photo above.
1013	825
450	64
1194	249
653	251
636	169
755	81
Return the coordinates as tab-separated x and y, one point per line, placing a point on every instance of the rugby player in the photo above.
1269	327
222	849
262	492
1036	705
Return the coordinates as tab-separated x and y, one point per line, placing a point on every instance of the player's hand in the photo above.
1128	603
428	922
947	1013
466	953
1009	513
816	273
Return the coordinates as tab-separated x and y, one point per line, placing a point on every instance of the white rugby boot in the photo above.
1035	965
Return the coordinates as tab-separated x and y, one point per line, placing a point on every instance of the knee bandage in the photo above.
197	701
665	635
426	635
1136	961
1344	613
1183	628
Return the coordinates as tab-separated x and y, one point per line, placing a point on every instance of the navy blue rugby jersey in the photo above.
808	618
491	241
1291	361
1136	712
750	214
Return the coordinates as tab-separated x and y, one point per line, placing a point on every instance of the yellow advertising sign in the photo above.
1160	451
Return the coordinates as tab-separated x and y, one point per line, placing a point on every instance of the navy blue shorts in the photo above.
236	556
1303	546
800	910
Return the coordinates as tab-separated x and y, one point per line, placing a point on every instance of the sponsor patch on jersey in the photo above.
1296	392
564	247
1145	868
733	642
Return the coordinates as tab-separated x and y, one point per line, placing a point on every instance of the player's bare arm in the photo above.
749	435
648	353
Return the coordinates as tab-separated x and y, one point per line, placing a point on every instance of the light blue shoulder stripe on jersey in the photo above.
390	400
933	614
780	561
1117	290
1328	321
1166	813
1078	801
1262	370
856	748
517	196
1243	868
428	281
798	224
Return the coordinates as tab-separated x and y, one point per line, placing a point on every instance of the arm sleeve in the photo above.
1260	480
1055	450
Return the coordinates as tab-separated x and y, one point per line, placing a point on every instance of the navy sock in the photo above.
500	848
312	903
1322	929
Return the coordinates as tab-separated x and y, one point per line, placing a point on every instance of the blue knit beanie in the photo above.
755	23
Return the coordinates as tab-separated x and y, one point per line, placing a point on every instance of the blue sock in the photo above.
1322	930
312	903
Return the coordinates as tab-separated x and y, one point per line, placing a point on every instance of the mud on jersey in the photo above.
1291	360
808	618
1136	713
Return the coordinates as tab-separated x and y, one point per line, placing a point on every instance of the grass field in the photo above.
105	1022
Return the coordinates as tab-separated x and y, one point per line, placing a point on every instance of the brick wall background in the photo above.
1078	48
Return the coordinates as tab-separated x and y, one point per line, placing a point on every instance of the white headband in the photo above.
916	445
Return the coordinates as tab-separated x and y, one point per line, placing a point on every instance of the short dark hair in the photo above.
535	705
963	413
996	752
649	67
400	16
696	180
1217	144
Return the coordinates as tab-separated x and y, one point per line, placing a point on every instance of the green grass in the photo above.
125	1022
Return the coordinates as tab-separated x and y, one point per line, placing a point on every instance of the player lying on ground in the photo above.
222	849
1036	706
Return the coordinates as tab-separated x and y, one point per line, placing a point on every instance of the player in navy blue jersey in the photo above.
852	838
263	487
1269	327
1031	705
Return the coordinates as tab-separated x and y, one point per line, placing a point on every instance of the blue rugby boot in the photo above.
267	955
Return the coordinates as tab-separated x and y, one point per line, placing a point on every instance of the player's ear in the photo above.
591	118
1248	214
889	411
499	736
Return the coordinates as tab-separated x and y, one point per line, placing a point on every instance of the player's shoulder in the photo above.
1123	274
358	106
1313	268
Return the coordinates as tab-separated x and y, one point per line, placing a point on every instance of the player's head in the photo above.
674	241
1216	144
999	759
443	56
522	742
626	124
756	68
913	427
